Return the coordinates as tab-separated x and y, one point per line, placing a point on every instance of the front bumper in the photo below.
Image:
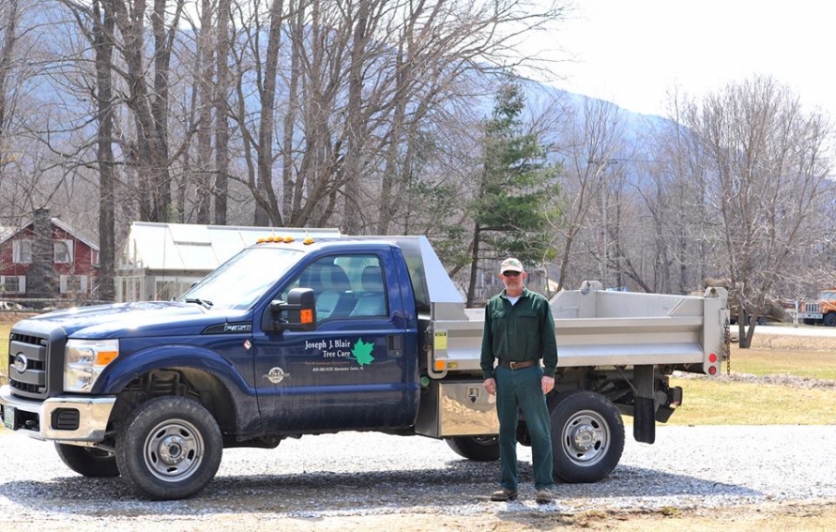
62	419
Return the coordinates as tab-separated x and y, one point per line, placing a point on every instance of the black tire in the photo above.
830	319
476	448
762	320
170	448
587	437
88	461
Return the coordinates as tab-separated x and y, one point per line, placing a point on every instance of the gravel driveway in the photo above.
353	475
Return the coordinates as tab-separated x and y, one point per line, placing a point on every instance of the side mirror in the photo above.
298	313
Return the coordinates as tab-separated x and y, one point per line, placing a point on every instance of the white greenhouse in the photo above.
160	261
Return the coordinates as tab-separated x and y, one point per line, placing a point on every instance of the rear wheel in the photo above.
170	448
476	448
88	461
587	437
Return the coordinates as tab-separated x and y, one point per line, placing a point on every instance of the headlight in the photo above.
84	361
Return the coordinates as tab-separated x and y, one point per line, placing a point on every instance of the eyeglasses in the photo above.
511	274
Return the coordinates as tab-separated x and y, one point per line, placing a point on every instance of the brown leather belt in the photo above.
519	365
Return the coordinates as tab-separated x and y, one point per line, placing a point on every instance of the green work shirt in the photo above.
519	332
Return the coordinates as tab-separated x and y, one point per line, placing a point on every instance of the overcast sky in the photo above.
632	52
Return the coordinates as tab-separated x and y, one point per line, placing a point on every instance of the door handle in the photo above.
394	345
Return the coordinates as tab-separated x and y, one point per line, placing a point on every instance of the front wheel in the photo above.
88	461
170	448
587	437
830	319
476	448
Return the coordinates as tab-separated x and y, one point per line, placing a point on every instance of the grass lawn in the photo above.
708	401
5	327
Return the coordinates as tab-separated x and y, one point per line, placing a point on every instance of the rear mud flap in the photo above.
644	420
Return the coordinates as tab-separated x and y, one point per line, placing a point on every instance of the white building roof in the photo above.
8	232
201	248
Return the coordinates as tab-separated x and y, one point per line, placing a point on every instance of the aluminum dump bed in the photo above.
597	328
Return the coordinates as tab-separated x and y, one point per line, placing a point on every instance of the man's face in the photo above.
513	281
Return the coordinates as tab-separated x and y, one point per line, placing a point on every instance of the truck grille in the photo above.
28	357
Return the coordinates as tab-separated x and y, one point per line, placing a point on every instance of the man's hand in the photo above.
490	385
547	383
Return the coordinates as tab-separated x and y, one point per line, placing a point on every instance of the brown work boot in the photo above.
504	494
544	496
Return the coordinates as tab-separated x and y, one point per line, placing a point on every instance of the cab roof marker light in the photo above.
288	239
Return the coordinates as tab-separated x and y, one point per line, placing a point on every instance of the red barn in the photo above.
47	259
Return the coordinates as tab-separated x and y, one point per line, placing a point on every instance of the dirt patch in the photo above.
14	316
790	381
774	517
787	342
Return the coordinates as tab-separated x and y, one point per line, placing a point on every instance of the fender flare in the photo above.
116	376
244	397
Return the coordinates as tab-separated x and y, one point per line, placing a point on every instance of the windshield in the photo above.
243	279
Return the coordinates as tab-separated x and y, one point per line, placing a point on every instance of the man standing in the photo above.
519	331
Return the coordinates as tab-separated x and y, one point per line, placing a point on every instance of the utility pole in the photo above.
604	191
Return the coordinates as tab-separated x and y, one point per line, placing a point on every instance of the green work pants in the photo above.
521	389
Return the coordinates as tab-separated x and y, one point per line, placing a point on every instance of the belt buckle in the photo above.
513	365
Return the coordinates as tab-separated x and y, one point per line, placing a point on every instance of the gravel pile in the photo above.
361	474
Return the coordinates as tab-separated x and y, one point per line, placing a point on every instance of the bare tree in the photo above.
364	79
588	150
9	14
149	102
102	35
767	175
222	91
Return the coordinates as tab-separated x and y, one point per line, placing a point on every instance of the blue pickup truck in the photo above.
298	337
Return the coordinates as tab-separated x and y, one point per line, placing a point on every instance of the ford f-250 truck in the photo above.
292	338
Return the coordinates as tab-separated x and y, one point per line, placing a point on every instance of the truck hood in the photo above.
145	318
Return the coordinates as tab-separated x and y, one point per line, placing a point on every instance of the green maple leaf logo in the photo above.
362	352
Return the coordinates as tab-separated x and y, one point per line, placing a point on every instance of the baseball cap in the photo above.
511	265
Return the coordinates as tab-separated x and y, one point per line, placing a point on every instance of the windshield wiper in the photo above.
202	302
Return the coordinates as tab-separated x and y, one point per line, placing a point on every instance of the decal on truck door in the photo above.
276	375
341	350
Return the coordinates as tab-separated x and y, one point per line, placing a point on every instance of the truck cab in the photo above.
79	376
822	311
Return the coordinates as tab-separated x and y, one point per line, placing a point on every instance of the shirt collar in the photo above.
525	293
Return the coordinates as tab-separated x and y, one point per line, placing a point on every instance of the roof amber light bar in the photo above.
283	240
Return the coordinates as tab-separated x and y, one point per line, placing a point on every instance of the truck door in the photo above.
353	371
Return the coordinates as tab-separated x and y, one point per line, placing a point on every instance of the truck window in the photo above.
243	279
371	300
344	286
